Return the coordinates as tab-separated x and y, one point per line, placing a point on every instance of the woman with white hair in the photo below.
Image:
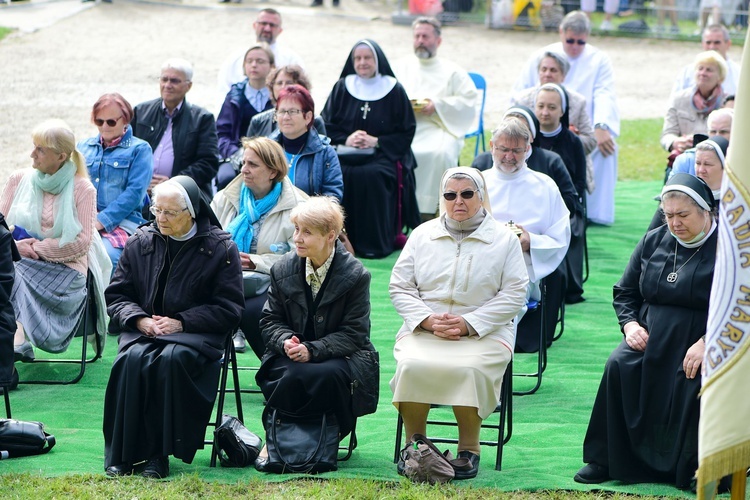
175	297
689	110
458	337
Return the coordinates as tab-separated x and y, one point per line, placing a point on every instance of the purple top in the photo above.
164	152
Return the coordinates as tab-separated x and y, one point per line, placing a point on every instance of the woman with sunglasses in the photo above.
457	338
120	166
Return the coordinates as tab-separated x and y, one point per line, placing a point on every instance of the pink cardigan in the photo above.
74	254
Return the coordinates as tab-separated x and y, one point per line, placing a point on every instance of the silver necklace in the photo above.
672	277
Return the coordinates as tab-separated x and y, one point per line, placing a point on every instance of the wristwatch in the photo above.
601	126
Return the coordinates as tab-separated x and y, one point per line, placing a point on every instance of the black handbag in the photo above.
308	444
19	438
236	446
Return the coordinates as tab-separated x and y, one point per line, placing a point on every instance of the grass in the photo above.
4	32
641	157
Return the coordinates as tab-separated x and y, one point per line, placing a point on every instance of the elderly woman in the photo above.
313	164
52	210
264	123
316	326
690	108
255	209
370	120
458	336
174	299
121	167
644	423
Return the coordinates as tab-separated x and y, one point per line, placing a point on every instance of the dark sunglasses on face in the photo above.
99	122
571	41
465	195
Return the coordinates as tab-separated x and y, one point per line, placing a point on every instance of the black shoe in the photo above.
23	353
119	470
260	464
574	299
239	342
335	3
592	474
471	471
317	3
13	380
156	468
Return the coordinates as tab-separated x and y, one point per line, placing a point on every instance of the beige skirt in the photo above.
467	372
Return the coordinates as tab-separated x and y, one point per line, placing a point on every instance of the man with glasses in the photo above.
590	75
182	135
532	202
267	28
714	37
444	100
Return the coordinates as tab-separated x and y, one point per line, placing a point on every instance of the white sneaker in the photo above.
606	25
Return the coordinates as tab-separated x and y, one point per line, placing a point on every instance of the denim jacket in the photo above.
121	175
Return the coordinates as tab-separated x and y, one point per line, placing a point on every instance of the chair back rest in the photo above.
481	84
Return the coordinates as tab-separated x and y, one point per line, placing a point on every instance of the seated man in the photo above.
715	37
533	203
182	135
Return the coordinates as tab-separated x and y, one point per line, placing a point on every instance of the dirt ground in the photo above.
60	70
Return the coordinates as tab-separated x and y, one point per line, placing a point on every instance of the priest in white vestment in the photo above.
445	102
590	75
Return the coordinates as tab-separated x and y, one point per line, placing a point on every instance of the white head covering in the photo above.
478	179
369	89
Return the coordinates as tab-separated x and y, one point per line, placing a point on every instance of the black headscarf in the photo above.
529	115
692	186
384	68
198	199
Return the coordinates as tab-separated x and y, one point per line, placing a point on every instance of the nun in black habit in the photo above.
370	120
644	423
175	297
8	255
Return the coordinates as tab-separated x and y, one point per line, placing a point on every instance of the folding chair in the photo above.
229	359
84	326
478	133
504	426
6	396
539	308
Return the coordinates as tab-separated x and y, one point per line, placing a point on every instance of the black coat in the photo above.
8	253
194	138
342	320
204	288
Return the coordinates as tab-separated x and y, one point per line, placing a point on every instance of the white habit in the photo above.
686	78
532	200
439	138
233	69
590	75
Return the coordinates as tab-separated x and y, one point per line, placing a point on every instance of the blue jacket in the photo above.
318	170
121	176
234	118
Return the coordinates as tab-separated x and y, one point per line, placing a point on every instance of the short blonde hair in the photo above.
58	136
270	153
712	57
320	212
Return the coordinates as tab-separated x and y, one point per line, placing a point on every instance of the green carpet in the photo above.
548	427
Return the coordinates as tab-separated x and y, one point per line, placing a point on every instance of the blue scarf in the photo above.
251	210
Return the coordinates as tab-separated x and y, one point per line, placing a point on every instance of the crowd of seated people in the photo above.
173	255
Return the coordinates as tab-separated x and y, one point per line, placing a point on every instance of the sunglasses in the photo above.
571	41
99	122
465	195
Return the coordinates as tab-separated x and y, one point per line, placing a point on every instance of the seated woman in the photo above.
690	108
369	112
316	326
644	423
313	164
121	167
255	209
174	298
52	210
456	340
244	100
264	123
552	110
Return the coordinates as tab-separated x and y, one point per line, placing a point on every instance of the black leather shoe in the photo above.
239	342
23	353
260	464
156	468
471	471
119	470
592	474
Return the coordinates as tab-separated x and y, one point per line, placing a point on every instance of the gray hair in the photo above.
182	65
514	130
577	22
323	213
168	190
718	113
428	20
711	28
562	61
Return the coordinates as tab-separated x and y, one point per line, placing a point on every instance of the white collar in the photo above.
369	89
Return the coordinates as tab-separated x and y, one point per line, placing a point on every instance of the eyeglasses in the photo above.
267	24
173	81
111	123
287	112
503	150
169	214
571	41
465	195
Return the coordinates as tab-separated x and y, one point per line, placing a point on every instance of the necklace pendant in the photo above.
671	277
